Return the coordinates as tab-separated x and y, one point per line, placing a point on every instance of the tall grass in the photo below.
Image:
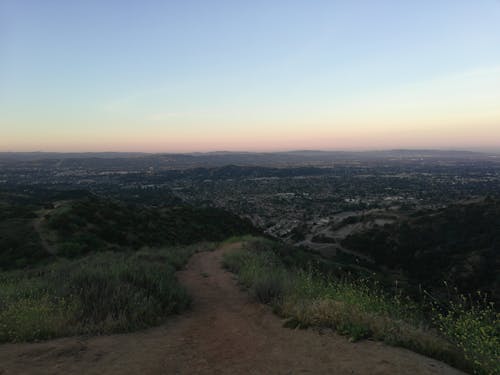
362	309
101	293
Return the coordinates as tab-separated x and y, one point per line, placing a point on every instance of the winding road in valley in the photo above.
225	332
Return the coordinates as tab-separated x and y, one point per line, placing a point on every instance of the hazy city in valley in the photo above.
250	187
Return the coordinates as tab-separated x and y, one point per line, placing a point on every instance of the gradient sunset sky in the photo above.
173	76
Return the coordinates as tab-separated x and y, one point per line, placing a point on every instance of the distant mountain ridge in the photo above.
220	158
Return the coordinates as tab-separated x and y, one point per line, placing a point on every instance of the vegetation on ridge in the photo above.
463	335
86	224
459	244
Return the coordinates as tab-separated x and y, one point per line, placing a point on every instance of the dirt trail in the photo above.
224	333
37	224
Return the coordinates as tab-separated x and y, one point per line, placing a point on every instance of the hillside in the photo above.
97	224
37	225
77	263
459	245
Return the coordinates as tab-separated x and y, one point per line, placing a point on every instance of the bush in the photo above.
20	244
101	293
70	249
269	288
475	329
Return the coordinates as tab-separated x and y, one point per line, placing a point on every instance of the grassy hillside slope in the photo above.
463	334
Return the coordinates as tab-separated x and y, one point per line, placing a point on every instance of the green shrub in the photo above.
20	244
269	288
101	293
70	249
475	329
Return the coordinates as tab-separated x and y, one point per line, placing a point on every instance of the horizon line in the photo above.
461	149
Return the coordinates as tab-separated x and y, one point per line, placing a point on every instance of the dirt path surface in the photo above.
37	224
224	333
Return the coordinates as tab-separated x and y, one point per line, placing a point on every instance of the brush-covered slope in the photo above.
459	245
35	226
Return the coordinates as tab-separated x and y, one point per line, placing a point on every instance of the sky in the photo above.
180	76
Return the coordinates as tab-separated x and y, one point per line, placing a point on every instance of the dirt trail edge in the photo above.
224	333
